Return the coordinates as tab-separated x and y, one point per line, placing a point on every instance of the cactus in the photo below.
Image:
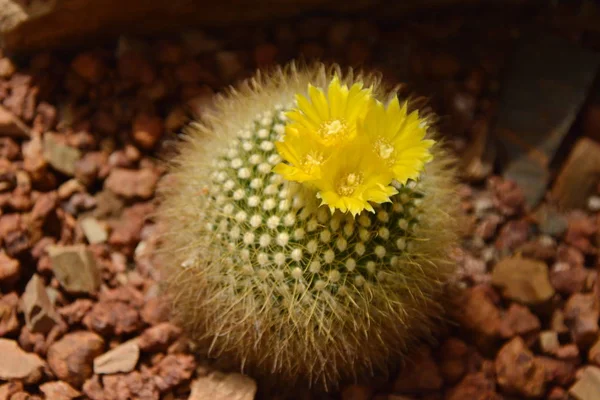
259	272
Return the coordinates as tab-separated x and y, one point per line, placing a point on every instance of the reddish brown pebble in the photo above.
518	372
74	312
518	320
9	324
132	183
173	370
453	364
9	389
147	130
512	235
158	337
475	386
582	312
421	374
557	371
71	357
18	364
10	270
523	280
112	317
218	386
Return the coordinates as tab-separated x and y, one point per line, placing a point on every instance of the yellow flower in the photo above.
352	177
318	125
397	138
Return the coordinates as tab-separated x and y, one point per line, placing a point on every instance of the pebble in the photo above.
9	323
75	268
94	230
549	342
582	312
159	337
594	353
523	280
517	370
59	390
518	320
40	315
18	364
172	370
476	386
10	270
587	386
479	314
11	125
453	363
71	357
219	386
112	318
147	130
421	374
60	156
132	184
122	358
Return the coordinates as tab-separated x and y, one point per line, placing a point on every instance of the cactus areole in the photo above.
308	224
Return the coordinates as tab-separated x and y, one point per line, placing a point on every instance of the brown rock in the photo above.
9	324
588	385
518	372
568	279
17	364
71	357
582	312
74	312
10	388
518	320
59	390
479	314
512	235
579	175
11	125
94	230
453	364
422	374
580	232
557	393
10	270
126	230
147	130
9	149
568	352
132	183
549	342
122	358
218	386
15	234
75	268
159	337
173	370
557	371
60	156
523	280
134	385
112	318
155	311
89	166
40	315
475	386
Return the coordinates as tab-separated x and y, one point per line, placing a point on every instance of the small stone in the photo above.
11	125
218	386
512	235
7	68
112	317
558	372
518	372
594	353
147	130
422	374
40	315
588	386
132	183
122	358
557	393
9	324
10	388
567	352
71	357
75	268
94	231
568	279
10	270
475	386
17	364
89	66
518	320
173	370
523	280
134	385
479	314
155	311
549	342
74	312
59	390
60	156
582	312
453	363
69	188
159	337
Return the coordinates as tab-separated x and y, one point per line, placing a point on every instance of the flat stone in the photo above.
60	156
18	364
71	357
523	280
94	231
59	390
588	386
75	268
549	342
122	358
218	386
40	315
11	125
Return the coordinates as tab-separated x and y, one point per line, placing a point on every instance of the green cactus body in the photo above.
260	273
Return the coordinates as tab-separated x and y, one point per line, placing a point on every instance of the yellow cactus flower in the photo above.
352	177
397	138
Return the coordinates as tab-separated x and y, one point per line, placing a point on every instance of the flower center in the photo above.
312	159
333	129
383	148
349	183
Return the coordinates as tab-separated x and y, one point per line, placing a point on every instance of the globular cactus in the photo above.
300	240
